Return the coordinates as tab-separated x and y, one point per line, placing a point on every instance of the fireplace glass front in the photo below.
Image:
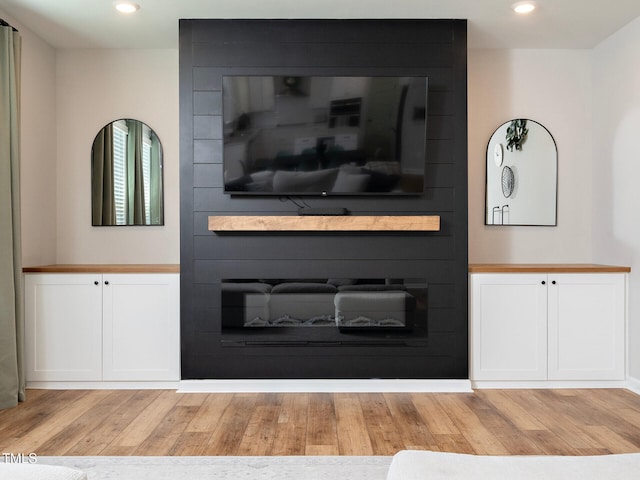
324	311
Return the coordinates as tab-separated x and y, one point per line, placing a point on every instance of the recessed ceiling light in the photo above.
126	7
524	7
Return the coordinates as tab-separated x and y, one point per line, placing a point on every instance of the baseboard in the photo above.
633	385
334	385
323	386
509	384
104	385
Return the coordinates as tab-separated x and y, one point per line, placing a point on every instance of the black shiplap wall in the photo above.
435	48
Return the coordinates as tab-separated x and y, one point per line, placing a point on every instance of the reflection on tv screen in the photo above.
322	135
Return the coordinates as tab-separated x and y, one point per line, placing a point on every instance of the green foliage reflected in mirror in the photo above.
126	175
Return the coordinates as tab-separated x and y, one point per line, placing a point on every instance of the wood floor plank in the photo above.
322	433
552	412
453	442
115	424
631	416
192	400
614	414
583	416
86	434
167	432
15	422
210	412
547	443
615	398
353	438
41	435
614	443
229	431
459	407
511	409
436	419
403	426
291	429
191	444
137	431
503	429
383	428
259	435
163	422
601	419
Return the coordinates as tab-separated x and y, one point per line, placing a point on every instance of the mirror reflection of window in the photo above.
120	132
127	175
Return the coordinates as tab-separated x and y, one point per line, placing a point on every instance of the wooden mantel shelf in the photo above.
322	223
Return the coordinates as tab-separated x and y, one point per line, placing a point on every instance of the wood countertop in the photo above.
473	268
105	268
546	268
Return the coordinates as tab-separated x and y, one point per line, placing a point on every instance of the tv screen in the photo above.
324	135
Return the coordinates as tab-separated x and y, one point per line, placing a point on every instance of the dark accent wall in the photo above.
435	48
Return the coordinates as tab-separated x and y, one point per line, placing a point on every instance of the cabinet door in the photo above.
508	327
586	326
141	327
63	327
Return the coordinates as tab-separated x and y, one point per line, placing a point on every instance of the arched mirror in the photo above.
126	175
522	175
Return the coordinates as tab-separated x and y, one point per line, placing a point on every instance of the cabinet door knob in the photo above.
543	282
106	282
96	282
553	282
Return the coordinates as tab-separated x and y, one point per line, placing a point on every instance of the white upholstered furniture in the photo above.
426	465
36	471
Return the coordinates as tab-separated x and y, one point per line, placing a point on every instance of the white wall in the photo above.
616	179
95	87
552	87
38	148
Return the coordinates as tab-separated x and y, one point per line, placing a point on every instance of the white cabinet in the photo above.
547	326
63	327
141	327
508	327
586	327
102	327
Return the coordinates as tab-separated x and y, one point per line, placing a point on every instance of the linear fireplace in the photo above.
338	312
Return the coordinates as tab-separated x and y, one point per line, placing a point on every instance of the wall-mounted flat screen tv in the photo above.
324	135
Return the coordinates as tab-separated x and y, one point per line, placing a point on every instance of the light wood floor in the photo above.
162	422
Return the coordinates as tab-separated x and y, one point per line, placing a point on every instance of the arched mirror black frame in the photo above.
522	175
127	175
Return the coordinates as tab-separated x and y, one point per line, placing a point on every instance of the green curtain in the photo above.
12	382
156	207
135	197
103	209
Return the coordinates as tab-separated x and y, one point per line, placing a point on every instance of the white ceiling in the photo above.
491	23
